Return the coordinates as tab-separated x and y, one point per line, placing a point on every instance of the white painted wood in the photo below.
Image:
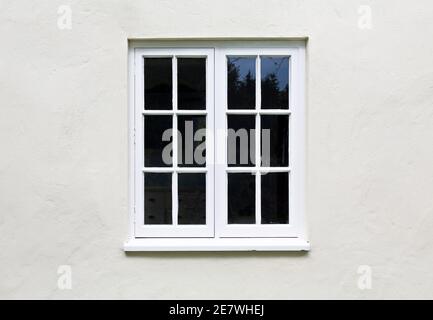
218	235
255	230
174	189
178	169
254	169
141	230
131	142
220	141
178	112
258	140
217	244
298	141
210	142
253	112
138	142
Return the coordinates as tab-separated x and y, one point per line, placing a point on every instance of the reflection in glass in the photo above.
275	140
191	141
192	198
157	198
157	83
241	140
241	198
275	82
155	143
241	77
191	81
275	198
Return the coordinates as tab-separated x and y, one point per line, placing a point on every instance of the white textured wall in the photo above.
64	168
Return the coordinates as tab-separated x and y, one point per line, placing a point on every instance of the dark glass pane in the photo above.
275	140
157	153
241	198
157	198
191	141
241	77
275	82
157	83
241	140
192	198
275	198
191	82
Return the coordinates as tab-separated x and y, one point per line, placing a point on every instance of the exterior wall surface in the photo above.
64	150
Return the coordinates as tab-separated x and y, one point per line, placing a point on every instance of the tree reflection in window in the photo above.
241	76
275	82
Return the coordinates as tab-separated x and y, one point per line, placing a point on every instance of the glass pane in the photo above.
157	141
275	82
157	198
157	83
192	198
241	198
191	73
275	140
241	140
275	198
241	77
191	141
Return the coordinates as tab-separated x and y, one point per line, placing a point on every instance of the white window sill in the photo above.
219	244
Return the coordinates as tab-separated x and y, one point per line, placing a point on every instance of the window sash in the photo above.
294	227
173	230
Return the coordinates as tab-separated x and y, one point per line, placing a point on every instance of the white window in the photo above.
217	146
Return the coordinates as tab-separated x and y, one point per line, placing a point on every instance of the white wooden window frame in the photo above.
217	234
175	230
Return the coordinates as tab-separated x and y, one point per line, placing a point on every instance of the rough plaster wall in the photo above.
64	169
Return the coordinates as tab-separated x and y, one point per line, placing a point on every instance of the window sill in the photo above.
220	244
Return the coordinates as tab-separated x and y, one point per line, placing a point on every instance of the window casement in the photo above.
217	146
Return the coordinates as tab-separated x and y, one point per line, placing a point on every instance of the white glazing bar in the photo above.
157	170
262	111
254	169
174	206
170	112
275	111
251	170
247	111
274	169
157	112
258	141
191	112
191	169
